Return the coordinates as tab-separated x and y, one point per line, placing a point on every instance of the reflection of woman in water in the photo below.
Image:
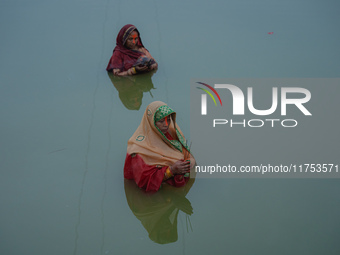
129	56
158	152
158	212
131	88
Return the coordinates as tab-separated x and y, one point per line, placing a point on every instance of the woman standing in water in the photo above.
158	152
129	56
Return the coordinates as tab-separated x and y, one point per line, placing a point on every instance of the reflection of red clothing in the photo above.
149	177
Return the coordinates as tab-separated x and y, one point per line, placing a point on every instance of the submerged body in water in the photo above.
132	88
158	152
158	212
130	56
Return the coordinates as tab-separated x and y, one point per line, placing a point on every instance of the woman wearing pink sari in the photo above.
129	56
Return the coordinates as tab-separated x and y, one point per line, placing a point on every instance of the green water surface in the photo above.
65	124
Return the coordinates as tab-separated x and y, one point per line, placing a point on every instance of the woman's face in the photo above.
163	124
132	40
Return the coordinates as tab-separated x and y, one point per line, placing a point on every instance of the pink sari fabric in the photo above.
149	177
122	57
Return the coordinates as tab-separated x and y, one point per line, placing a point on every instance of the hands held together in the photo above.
143	68
181	167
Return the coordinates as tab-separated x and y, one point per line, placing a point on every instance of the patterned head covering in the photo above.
124	58
163	112
151	144
124	33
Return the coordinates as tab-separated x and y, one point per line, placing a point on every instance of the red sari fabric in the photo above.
149	177
122	57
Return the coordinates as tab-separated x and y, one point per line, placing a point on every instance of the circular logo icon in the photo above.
140	138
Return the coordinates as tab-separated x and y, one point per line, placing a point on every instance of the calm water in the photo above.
65	124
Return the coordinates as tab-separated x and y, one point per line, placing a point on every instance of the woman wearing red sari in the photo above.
157	152
129	56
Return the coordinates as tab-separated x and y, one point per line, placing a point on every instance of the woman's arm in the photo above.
180	167
175	174
151	177
131	71
146	176
147	54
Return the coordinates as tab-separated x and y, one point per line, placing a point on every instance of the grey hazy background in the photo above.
314	139
64	129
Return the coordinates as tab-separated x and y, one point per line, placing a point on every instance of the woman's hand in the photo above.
154	66
116	72
180	167
141	68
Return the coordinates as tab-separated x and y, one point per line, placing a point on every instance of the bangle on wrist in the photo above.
168	174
